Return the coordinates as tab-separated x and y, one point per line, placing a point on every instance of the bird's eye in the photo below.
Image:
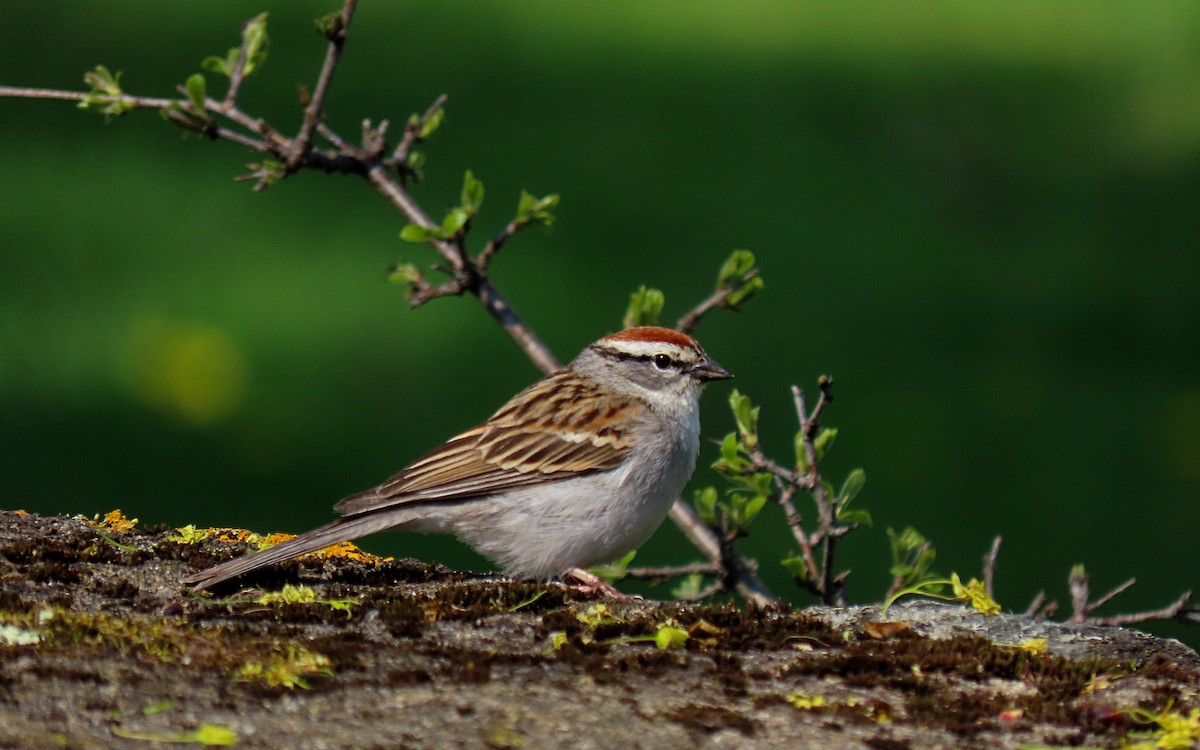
662	361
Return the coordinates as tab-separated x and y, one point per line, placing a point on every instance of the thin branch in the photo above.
141	102
412	132
717	299
1115	592
747	583
667	572
989	566
484	259
1177	610
1035	605
828	586
238	74
313	113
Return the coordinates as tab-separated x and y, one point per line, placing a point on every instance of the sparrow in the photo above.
576	470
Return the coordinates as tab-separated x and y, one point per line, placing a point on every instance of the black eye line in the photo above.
647	358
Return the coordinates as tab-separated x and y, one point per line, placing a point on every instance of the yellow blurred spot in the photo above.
191	370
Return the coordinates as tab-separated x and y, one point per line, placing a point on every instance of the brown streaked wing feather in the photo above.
583	430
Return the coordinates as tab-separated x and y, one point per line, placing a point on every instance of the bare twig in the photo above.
989	566
484	259
717	299
1177	610
1035	605
141	102
667	572
313	113
1116	591
238	74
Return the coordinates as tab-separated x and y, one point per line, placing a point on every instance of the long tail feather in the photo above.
341	530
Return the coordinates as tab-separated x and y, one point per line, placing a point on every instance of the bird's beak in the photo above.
709	370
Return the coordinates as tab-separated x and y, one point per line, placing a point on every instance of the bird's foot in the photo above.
590	583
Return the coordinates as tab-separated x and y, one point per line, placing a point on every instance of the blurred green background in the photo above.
980	218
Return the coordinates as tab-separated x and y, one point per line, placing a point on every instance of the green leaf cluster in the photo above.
912	557
104	84
330	25
645	305
534	210
735	275
751	489
456	222
254	41
740	505
852	485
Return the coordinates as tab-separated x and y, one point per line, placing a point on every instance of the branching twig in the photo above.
313	113
1177	610
717	299
412	133
368	160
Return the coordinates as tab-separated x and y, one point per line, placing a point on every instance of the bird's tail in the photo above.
341	530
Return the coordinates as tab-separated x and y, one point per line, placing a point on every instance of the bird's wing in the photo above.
558	427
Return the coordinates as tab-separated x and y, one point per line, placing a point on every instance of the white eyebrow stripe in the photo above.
650	348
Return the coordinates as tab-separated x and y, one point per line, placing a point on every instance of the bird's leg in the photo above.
590	583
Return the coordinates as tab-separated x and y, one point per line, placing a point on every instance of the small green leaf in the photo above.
854	516
221	65
329	25
745	415
746	510
533	210
197	90
796	566
417	233
689	587
472	193
824	441
104	83
432	123
744	293
668	637
912	556
852	486
735	266
256	43
731	461
416	159
616	570
801	452
644	307
404	273
454	222
704	500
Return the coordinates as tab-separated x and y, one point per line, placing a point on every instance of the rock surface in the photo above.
102	647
